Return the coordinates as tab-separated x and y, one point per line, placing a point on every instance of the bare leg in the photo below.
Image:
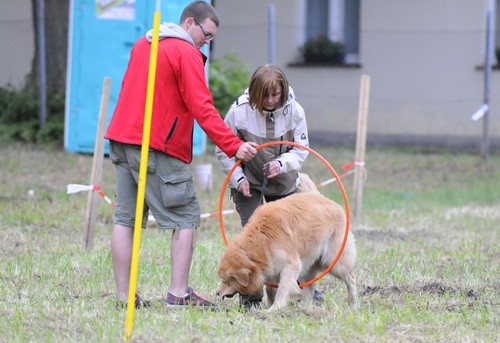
181	254
121	250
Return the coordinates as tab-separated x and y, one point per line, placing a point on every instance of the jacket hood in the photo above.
170	30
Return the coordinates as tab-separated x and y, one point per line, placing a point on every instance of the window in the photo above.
338	20
317	18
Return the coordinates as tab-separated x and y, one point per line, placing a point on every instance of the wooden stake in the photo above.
364	97
96	174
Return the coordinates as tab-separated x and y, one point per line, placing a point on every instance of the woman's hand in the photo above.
244	188
274	169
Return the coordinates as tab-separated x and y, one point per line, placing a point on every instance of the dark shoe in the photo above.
139	303
191	299
318	297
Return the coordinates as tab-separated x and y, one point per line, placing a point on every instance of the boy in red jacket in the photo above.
181	96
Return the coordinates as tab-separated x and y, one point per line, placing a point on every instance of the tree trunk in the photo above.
56	46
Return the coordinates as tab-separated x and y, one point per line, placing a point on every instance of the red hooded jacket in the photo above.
180	96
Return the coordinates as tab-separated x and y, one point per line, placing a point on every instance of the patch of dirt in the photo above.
454	299
435	288
380	290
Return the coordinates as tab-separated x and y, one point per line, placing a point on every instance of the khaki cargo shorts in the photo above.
170	193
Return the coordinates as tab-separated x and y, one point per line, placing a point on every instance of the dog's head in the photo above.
239	274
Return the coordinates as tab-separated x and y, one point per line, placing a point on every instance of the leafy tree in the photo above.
228	78
56	18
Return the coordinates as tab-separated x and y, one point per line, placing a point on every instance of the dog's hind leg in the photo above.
342	273
352	291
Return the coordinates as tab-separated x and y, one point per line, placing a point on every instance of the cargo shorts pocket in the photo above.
177	190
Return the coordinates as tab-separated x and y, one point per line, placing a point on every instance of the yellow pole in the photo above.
142	174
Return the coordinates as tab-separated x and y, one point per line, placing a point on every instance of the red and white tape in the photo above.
76	188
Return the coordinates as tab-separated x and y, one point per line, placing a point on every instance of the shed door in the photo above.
102	33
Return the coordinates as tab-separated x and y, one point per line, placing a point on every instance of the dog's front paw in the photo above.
276	306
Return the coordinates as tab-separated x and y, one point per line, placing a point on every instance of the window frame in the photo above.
343	24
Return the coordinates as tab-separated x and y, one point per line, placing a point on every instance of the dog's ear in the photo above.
242	276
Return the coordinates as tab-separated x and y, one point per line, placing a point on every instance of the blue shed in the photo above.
101	35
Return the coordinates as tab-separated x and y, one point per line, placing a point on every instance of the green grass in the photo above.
428	257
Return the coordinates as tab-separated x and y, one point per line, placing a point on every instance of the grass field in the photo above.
428	257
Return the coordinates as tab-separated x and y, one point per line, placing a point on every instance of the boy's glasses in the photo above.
208	35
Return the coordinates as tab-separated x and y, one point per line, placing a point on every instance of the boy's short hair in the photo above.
200	10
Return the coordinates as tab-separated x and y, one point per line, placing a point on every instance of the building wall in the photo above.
17	40
422	58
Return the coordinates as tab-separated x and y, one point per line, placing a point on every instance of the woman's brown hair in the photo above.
265	80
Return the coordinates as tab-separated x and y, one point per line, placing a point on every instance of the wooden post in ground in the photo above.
364	97
96	173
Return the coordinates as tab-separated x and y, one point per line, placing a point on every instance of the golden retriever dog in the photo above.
285	243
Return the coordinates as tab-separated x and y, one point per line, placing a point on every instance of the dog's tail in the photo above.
306	184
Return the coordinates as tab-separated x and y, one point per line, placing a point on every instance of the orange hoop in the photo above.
346	204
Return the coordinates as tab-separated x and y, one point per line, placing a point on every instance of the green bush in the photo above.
322	50
19	117
53	130
228	78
